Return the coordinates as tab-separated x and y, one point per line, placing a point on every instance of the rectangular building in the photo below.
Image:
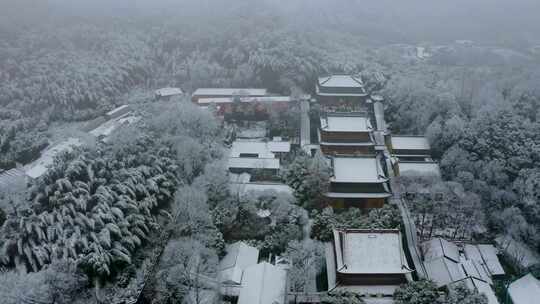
415	168
247	107
367	261
410	147
259	158
263	283
346	134
226	92
341	90
357	182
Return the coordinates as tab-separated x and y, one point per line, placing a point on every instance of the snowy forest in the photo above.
151	209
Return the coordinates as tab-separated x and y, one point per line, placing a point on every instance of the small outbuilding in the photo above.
263	283
525	290
239	257
167	93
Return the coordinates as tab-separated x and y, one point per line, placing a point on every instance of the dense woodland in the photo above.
96	218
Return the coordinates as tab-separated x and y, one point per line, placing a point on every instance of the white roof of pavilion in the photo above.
345	123
369	252
357	170
410	143
345	81
525	290
164	92
239	257
340	85
263	283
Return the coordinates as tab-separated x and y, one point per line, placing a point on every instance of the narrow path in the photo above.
305	134
410	232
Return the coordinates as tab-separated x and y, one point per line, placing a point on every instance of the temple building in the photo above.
410	147
226	93
367	262
357	182
248	107
346	134
261	159
341	91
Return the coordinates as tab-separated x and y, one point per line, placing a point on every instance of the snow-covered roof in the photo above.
253	163
279	146
251	147
410	143
525	290
343	81
248	99
439	247
41	165
345	123
519	251
108	127
489	255
239	257
258	149
369	252
229	92
473	254
474	269
263	283
164	92
239	178
244	188
444	271
117	110
357	170
340	85
419	168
